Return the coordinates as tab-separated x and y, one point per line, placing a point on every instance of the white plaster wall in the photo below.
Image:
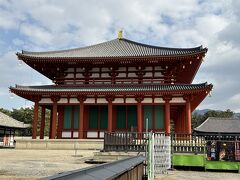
63	100
118	100
131	100
101	134
45	101
147	100
159	100
75	134
73	100
92	134
121	75
66	134
70	75
177	100
89	100
79	75
102	100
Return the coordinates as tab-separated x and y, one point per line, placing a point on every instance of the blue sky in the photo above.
42	25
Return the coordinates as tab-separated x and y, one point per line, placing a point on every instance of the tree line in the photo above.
198	118
26	115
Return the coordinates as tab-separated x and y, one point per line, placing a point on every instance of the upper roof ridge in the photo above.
125	47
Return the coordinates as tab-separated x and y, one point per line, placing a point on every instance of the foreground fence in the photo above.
131	168
188	143
125	141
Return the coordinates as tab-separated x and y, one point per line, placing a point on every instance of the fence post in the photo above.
126	141
171	141
104	142
195	143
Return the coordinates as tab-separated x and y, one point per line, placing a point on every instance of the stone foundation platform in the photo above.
61	144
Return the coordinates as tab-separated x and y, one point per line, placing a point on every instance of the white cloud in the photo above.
235	99
36	34
58	24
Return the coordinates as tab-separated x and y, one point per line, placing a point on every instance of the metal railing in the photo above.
188	143
125	141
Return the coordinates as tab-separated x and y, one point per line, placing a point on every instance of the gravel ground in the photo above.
198	175
33	164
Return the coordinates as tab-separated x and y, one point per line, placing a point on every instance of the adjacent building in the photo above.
218	125
8	126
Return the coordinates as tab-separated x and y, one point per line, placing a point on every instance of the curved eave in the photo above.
16	127
29	94
31	58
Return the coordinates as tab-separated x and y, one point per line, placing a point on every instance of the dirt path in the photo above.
34	164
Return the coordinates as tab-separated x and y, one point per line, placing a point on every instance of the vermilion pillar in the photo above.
60	121
139	117
81	99
54	117
35	120
188	117
42	122
110	114
188	114
167	114
139	100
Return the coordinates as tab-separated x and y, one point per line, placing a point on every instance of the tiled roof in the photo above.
115	48
111	88
7	121
219	125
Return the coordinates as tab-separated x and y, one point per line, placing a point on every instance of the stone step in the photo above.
112	156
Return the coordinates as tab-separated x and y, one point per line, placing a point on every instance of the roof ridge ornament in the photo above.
120	34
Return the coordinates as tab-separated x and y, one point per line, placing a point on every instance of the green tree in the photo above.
26	115
198	119
5	111
222	114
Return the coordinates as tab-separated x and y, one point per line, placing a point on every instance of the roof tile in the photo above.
115	48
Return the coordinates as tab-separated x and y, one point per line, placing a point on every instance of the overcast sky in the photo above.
40	25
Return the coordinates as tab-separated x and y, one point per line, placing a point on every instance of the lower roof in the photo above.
112	89
7	121
219	125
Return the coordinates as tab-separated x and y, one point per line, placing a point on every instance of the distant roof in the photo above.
219	125
112	88
115	48
7	121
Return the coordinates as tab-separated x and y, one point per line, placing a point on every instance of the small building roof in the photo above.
7	121
219	125
115	48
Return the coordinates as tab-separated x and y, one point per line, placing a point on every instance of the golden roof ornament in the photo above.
120	34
